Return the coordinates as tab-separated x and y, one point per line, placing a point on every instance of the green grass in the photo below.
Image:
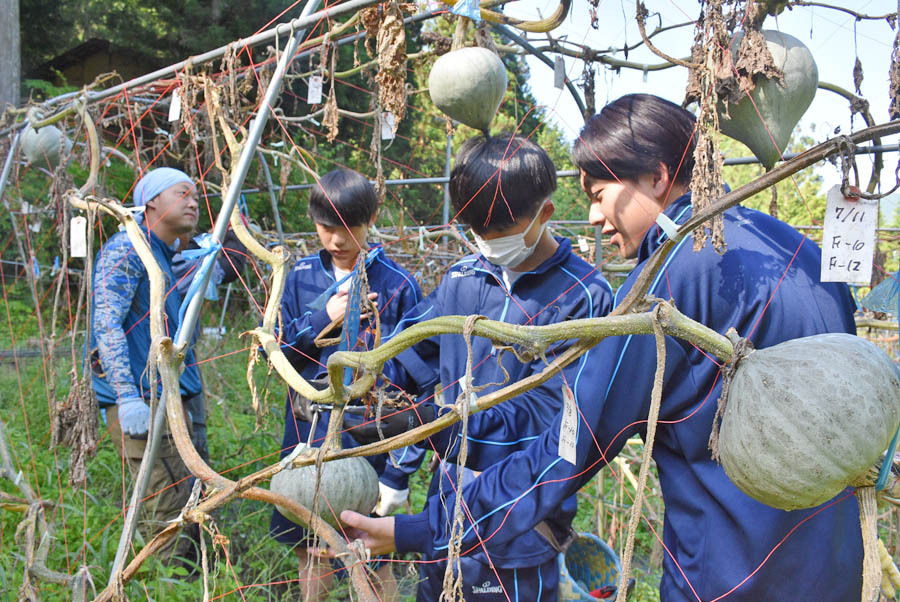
87	521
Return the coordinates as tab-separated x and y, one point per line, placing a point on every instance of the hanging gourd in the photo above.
42	147
808	417
346	484
468	85
780	105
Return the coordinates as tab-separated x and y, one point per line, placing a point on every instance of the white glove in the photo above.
390	499
134	416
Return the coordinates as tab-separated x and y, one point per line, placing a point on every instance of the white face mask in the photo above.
510	251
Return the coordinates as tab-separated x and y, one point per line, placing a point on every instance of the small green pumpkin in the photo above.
468	85
42	147
781	107
346	484
807	417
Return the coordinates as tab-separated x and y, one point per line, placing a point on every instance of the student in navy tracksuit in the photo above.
719	542
343	206
501	188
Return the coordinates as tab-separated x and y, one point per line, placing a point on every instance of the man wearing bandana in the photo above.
121	340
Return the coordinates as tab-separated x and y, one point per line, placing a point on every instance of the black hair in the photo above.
499	180
342	194
631	136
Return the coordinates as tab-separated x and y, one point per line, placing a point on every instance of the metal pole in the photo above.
566	173
447	158
445	216
7	166
272	198
225	306
193	310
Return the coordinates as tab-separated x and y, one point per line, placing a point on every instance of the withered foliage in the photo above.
736	75
712	61
75	426
894	90
391	77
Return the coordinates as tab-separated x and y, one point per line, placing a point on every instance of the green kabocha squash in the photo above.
781	106
346	484
43	147
806	418
468	85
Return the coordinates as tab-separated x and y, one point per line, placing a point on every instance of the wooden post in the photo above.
10	58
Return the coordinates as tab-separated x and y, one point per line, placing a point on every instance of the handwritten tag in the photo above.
387	126
568	428
78	236
559	73
175	106
314	96
583	244
848	241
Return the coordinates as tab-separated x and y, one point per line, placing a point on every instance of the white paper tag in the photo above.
35	226
26	208
78	236
314	96
175	106
848	240
559	73
387	126
568	428
583	244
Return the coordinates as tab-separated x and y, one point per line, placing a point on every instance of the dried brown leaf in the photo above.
857	75
391	77
894	90
330	117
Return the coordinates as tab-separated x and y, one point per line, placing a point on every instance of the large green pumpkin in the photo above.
468	85
346	484
807	417
780	107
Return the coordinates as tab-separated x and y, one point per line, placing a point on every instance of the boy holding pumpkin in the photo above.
501	188
343	204
635	159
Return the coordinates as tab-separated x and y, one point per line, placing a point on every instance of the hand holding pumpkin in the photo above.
376	533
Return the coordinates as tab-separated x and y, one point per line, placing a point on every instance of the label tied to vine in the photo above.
78	236
583	245
848	239
314	96
568	428
175	106
559	73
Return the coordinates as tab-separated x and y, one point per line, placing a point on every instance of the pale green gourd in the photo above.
346	484
42	147
468	85
781	106
806	418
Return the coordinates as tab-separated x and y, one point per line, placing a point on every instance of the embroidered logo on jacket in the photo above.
487	588
465	270
302	266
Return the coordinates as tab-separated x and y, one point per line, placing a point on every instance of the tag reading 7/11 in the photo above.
848	239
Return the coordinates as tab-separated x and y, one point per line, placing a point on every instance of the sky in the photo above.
834	38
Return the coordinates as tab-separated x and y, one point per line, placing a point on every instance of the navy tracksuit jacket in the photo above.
766	286
564	287
309	278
